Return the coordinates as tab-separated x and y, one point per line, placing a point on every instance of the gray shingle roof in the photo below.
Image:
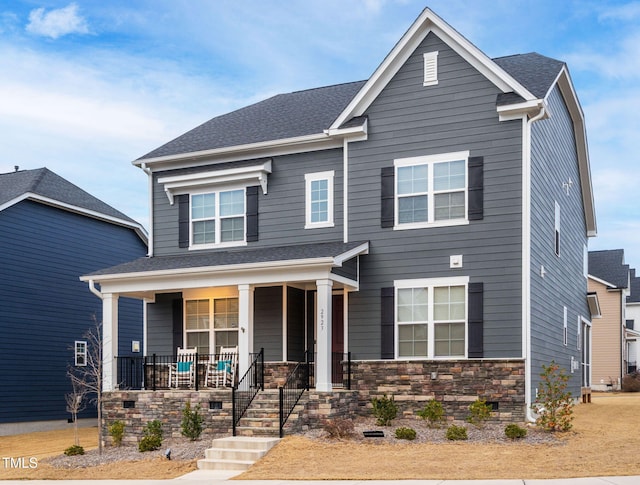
231	257
45	183
311	111
283	116
609	266
634	297
535	72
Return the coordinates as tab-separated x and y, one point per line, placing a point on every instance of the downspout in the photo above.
526	259
147	170
94	290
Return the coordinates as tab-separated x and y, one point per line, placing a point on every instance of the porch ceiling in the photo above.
144	276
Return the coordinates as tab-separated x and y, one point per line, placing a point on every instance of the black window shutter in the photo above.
476	317
183	220
387	320
177	308
252	213
387	216
476	188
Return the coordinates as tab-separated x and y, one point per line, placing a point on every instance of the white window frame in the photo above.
430	161
430	284
211	329
217	218
80	353
309	179
579	334
430	68
565	329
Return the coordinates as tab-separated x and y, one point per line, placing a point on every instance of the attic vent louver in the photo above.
430	68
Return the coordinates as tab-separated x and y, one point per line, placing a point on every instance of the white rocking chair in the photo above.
183	372
221	372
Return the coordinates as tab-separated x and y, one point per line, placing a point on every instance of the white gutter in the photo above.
345	191
149	173
526	255
94	290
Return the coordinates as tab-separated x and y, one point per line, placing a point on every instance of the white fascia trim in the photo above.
346	256
240	152
182	183
610	286
515	111
580	133
355	132
231	268
142	233
427	22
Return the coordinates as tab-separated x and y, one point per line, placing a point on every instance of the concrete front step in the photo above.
259	431
236	453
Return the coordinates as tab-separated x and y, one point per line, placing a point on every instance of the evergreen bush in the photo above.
384	409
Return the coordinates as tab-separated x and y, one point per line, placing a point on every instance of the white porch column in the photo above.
245	327
109	341
323	324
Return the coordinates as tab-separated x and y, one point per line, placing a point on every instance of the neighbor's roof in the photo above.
608	266
231	257
634	296
312	111
45	184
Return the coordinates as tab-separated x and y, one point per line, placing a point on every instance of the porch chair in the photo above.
183	372
221	372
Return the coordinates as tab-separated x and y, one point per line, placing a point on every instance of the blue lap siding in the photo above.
45	308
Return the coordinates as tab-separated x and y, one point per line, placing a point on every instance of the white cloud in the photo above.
627	12
57	23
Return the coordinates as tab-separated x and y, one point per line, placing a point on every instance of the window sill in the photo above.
426	225
234	244
319	225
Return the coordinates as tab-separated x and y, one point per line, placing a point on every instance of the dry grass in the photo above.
602	443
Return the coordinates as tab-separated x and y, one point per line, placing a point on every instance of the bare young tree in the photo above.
76	403
88	377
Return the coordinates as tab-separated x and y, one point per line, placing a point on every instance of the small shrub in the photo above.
406	433
554	404
384	409
74	450
116	430
456	433
479	412
191	422
514	432
631	382
433	413
339	428
151	436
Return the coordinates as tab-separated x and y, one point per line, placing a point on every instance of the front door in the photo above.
337	339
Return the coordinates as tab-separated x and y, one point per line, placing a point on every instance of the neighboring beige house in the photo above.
632	329
609	281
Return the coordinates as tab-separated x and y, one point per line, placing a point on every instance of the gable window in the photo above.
211	324
218	218
431	190
80	353
431	318
430	68
319	199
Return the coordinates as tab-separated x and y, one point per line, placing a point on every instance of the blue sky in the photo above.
88	86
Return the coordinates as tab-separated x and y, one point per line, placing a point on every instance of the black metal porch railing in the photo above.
297	382
152	372
247	387
341	370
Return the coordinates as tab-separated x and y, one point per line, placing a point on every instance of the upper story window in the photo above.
431	318
218	218
430	68
431	190
319	199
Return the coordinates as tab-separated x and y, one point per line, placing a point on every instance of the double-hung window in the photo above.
218	218
199	330
431	190
80	353
431	318
319	199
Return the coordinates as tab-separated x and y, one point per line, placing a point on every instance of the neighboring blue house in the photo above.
51	233
432	221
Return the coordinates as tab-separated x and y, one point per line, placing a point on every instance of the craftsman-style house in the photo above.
428	225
